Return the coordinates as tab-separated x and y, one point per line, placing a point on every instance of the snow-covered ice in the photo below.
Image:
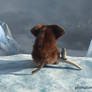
15	75
89	53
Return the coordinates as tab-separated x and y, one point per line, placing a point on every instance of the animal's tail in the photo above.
39	67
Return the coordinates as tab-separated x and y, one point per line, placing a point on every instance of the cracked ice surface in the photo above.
15	75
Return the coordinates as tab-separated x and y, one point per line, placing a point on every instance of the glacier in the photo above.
15	75
89	53
8	45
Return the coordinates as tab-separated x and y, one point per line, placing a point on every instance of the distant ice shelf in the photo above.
15	75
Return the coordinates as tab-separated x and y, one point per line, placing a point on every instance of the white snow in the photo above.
89	53
15	75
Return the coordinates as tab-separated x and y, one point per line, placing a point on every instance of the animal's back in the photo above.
48	50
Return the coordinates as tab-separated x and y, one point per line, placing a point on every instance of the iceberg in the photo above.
8	46
89	53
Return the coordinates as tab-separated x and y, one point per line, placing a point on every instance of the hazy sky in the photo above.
74	15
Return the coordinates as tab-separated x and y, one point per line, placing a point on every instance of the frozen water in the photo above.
89	53
15	75
8	45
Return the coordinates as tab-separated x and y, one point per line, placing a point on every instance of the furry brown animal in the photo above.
45	50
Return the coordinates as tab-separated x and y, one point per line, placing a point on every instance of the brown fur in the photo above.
45	50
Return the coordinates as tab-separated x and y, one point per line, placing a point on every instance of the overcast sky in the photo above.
74	15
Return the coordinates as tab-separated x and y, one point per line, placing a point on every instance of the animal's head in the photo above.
41	29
